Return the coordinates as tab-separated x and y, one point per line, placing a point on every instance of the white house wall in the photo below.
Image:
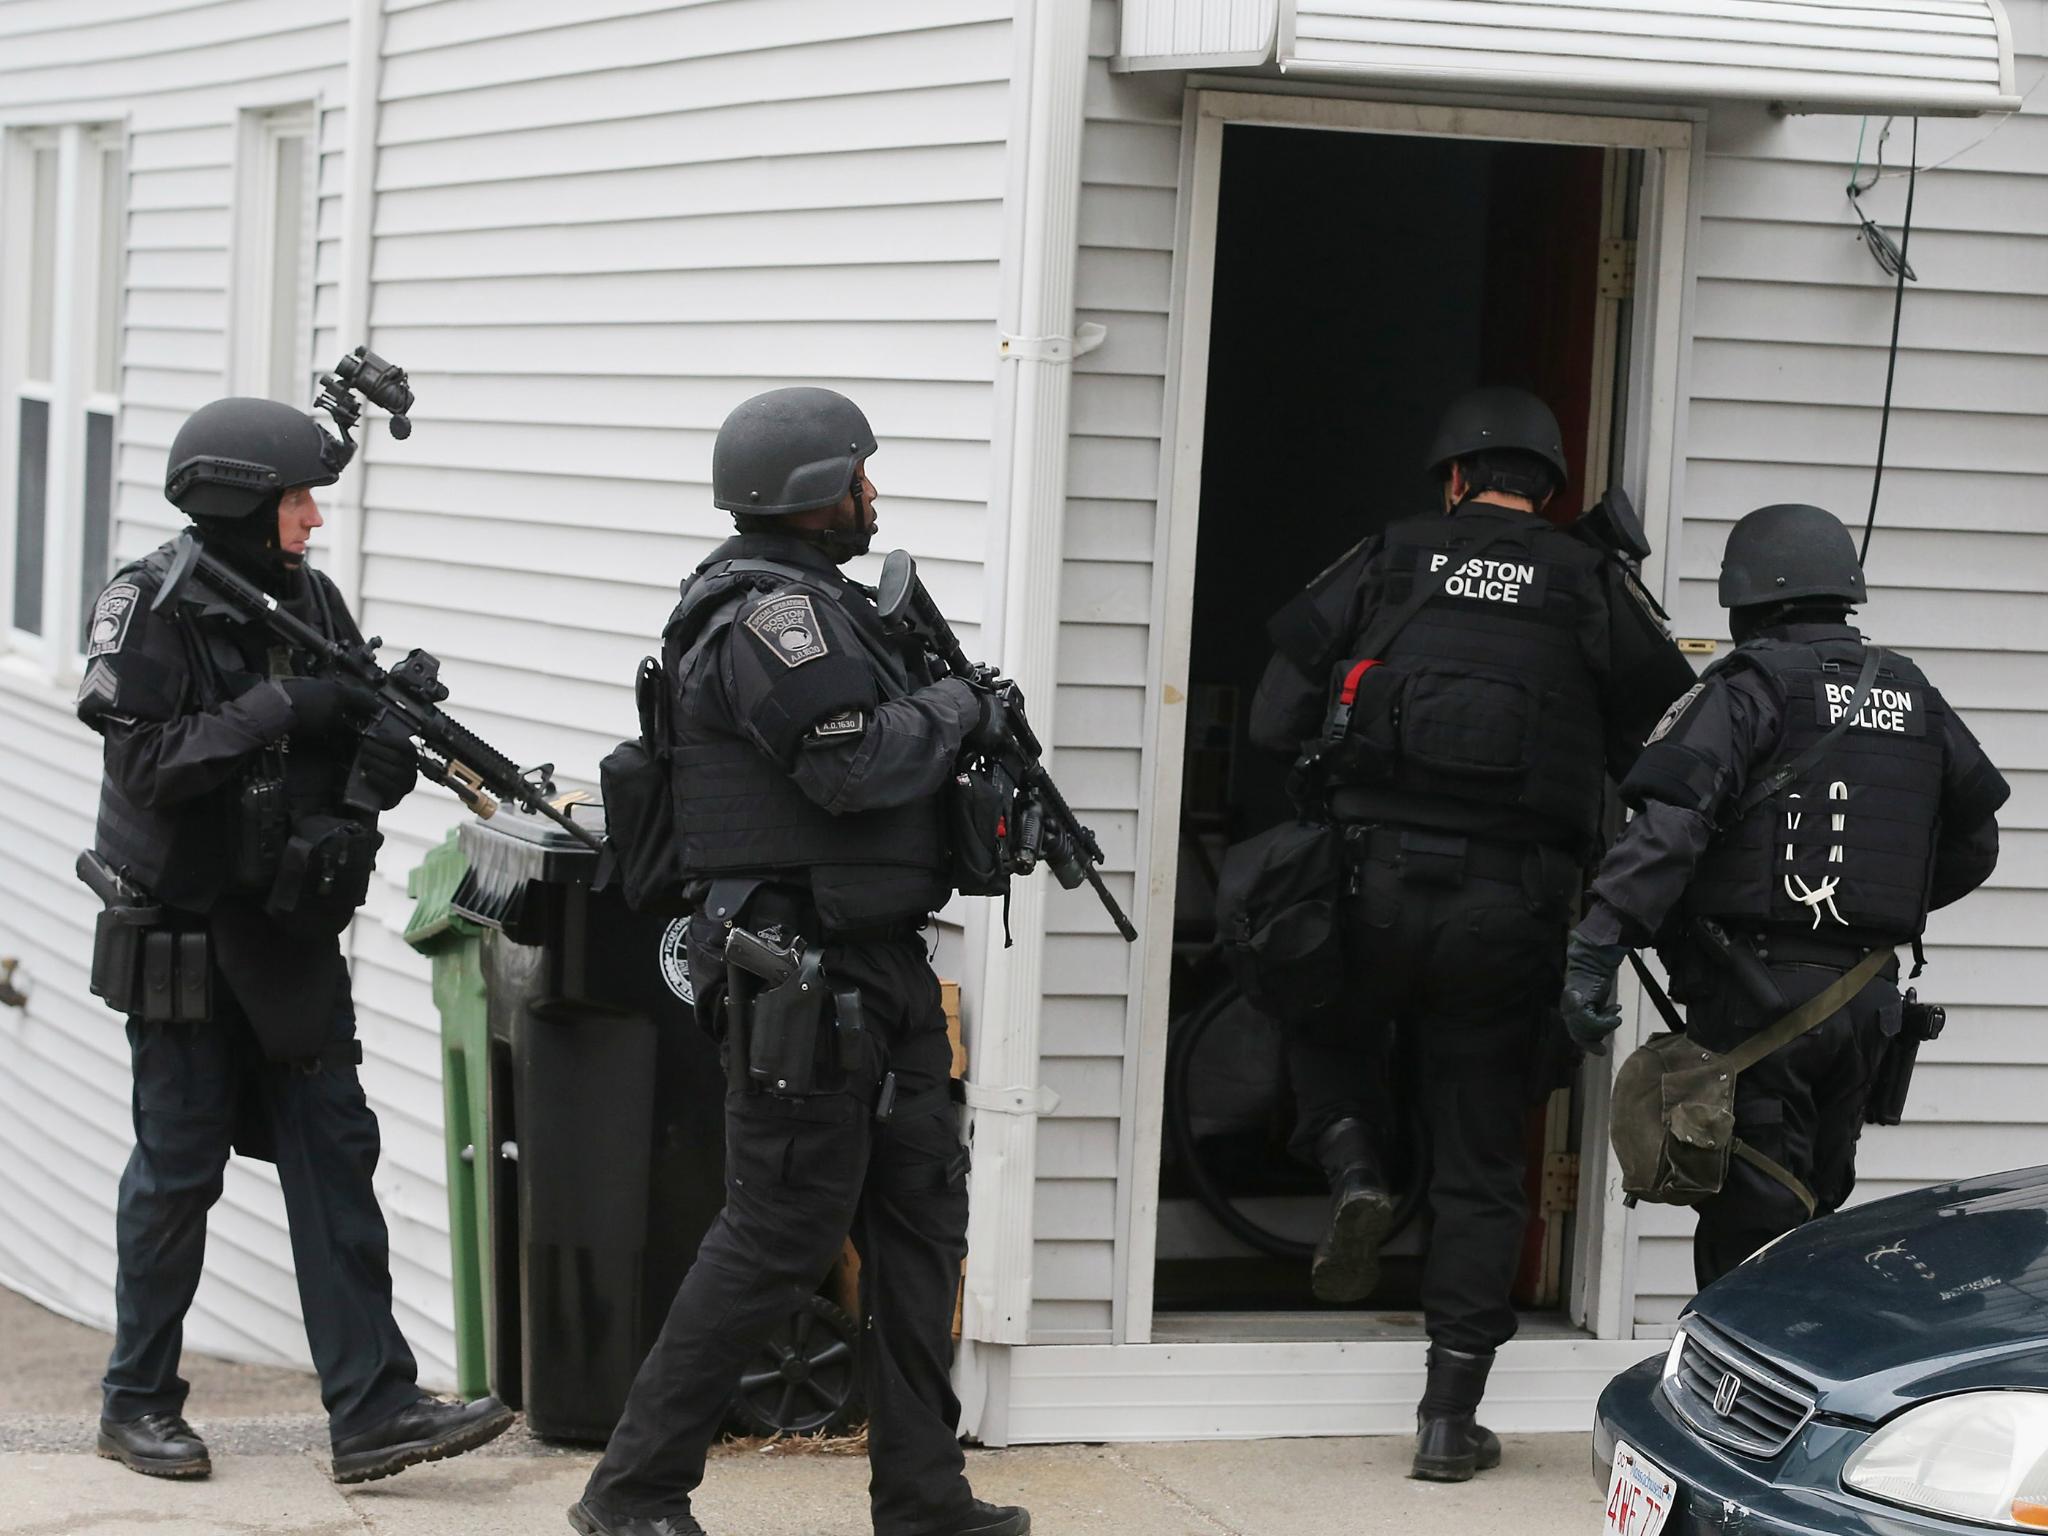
1791	319
1130	164
595	230
177	75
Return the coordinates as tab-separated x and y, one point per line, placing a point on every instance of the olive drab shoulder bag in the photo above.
1673	1114
1672	1121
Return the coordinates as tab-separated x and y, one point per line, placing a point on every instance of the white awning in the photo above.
1919	56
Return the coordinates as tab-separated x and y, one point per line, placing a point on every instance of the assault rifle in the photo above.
1039	826
411	692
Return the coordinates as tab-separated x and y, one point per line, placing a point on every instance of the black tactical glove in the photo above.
388	764
326	707
991	733
1590	1012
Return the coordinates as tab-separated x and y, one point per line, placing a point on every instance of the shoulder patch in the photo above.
788	626
110	618
1678	707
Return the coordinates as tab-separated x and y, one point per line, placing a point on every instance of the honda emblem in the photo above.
1726	1393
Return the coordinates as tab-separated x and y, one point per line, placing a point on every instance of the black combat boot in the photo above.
159	1444
1347	1262
428	1430
586	1520
1450	1443
986	1519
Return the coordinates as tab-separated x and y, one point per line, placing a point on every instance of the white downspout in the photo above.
352	322
1030	443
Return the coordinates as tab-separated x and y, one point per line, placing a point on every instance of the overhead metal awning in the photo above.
1950	57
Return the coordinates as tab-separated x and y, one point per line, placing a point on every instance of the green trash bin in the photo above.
455	945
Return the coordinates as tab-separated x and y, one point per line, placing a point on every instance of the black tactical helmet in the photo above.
1788	551
1495	418
235	454
790	450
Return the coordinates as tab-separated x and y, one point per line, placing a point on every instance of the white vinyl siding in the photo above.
594	233
176	76
1791	322
1130	167
1836	54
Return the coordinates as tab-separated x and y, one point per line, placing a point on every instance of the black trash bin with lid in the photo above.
605	1125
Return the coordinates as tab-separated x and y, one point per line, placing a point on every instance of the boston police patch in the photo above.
1678	707
110	618
788	626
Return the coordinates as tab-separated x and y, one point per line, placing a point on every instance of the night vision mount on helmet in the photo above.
232	456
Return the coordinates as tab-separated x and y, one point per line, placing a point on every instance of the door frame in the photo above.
1651	473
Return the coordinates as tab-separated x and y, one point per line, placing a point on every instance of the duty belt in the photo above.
1783	948
1414	848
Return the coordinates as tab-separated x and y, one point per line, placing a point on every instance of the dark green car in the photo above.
1882	1372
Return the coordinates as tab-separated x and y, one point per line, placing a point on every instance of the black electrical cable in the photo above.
1891	367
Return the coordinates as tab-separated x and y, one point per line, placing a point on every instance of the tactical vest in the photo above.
739	814
181	854
1488	714
1846	850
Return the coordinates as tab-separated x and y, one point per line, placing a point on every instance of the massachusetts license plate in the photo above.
1639	1494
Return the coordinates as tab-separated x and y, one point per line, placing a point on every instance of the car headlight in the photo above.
1978	1455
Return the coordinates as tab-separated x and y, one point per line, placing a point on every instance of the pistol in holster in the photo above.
788	1033
143	964
1918	1023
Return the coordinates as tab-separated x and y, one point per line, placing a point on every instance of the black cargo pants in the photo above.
1801	1106
1454	958
800	1175
201	1089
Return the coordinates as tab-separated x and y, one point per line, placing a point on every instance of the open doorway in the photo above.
1362	281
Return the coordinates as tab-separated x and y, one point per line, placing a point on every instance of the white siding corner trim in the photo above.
1947	56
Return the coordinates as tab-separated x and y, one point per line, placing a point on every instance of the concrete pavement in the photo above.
270	1476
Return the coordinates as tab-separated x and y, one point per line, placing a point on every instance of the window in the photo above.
272	347
61	242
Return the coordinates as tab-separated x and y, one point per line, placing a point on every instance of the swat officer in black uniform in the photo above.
812	755
1464	758
1768	856
222	814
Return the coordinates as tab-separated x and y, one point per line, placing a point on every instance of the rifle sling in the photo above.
1759	793
1816	1010
1382	634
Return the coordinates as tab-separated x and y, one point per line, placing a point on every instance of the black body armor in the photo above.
1846	851
737	813
1485	716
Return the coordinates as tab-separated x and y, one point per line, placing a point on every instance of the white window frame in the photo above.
264	134
71	390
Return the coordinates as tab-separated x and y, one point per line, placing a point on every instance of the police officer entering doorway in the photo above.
1771	852
1463	758
812	756
232	861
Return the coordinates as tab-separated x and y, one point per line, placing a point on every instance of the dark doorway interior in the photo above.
1362	282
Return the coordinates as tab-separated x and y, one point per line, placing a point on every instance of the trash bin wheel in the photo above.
806	1379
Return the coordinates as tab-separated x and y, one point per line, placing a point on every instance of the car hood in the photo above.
1941	1290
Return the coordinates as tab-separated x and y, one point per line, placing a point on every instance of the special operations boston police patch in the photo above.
110	618
789	627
